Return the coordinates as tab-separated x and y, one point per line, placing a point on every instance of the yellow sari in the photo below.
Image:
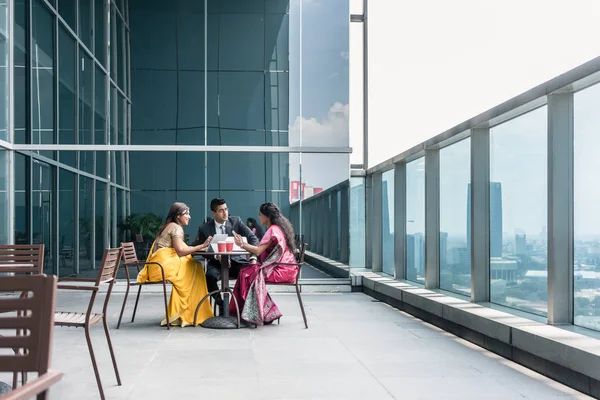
189	285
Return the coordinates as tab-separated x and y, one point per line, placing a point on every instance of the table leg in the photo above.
225	283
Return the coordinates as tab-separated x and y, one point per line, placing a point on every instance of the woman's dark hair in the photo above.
176	210
272	211
253	224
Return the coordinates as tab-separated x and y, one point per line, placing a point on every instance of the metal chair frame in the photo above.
106	276
130	259
295	284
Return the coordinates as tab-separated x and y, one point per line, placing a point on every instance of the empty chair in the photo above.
106	276
22	258
32	311
130	260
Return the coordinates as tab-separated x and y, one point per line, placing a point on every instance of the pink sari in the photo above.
250	288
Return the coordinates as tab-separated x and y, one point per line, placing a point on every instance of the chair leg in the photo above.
166	305
136	303
123	308
112	352
301	306
93	357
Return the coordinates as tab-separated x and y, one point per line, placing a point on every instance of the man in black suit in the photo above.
222	223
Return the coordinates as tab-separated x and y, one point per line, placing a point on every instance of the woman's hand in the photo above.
238	239
206	243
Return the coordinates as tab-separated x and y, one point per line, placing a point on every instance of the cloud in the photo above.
333	130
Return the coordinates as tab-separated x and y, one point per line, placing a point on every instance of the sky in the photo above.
435	63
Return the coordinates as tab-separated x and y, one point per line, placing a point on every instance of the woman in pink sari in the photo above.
274	250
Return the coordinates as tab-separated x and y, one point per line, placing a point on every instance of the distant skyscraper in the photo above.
443	249
521	244
495	219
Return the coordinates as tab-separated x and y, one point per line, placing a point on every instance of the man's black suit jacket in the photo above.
232	224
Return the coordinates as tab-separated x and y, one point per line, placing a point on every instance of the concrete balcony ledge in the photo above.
569	357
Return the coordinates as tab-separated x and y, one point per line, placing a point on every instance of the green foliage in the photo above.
146	224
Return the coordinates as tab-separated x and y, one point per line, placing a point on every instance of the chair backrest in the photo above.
11	254
35	314
300	254
129	254
109	265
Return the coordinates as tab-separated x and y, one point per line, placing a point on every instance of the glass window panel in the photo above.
357	223
277	31
86	224
99	31
415	220
278	6
67	10
4	210
113	47
190	104
387	188
42	211
455	183
239	7
86	132
99	220
587	218
120	45
21	203
277	110
85	22
242	42
518	213
66	222
20	71
4	68
42	96
190	31
67	82
100	120
154	38
155	105
241	100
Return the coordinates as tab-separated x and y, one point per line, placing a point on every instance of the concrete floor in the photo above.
355	348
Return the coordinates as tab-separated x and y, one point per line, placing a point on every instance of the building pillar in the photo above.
478	225
432	219
560	208
400	220
374	234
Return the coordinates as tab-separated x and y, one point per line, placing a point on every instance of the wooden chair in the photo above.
34	312
130	260
106	276
22	258
300	259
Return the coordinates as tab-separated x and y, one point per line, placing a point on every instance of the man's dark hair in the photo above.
214	203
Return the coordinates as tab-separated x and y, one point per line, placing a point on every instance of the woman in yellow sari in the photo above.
185	274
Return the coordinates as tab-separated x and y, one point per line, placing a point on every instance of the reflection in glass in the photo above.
100	120
99	31
455	183
66	93
100	219
42	59
415	220
86	223
42	210
85	22
4	226
387	235
357	223
518	213
4	68
66	227
86	134
21	214
586	216
20	71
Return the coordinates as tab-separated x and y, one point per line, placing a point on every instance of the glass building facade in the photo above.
217	94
